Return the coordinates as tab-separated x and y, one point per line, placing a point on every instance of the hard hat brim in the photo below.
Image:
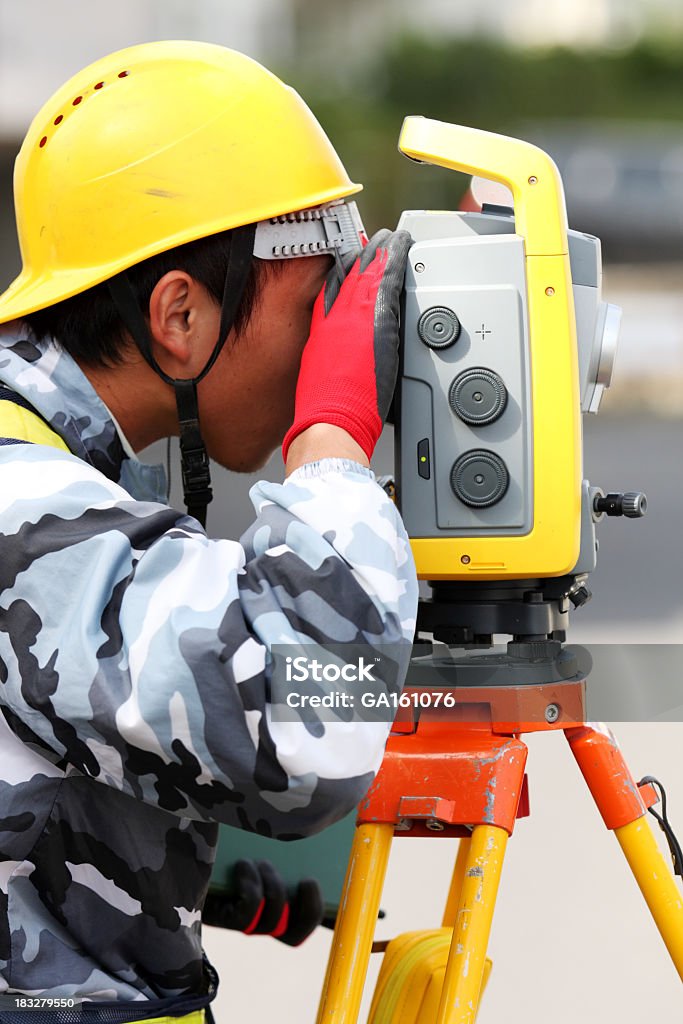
27	293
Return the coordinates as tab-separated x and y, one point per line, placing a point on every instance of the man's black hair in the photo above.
88	325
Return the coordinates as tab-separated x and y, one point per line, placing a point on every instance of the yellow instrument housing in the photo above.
551	547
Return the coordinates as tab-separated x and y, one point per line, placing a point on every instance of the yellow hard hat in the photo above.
151	147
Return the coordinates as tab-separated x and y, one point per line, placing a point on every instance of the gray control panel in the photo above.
465	459
464	438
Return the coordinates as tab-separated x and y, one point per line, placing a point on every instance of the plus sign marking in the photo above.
483	332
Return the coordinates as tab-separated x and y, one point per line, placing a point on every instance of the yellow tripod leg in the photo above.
620	803
657	884
350	954
453	899
467	959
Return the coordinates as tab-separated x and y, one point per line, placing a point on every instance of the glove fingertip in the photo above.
401	241
309	896
309	885
244	870
271	878
370	251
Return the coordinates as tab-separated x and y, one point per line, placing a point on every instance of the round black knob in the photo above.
632	504
478	396
438	327
479	478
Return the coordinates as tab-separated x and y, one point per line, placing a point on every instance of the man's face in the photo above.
246	401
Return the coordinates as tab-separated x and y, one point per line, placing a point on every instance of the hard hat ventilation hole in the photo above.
76	102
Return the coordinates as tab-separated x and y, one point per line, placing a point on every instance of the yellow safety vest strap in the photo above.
190	1018
24	425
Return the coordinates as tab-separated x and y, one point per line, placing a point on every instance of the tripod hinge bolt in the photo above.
435	826
552	713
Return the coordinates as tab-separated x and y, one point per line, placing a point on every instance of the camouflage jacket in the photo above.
134	659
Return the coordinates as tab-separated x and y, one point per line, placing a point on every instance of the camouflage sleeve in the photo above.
137	651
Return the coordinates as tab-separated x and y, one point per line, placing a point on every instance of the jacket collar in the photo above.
58	389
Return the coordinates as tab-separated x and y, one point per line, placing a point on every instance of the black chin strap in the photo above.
194	459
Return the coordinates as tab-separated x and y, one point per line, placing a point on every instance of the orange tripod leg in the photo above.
623	810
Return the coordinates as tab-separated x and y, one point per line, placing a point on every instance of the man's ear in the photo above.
171	316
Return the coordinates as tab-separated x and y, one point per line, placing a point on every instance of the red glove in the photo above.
350	363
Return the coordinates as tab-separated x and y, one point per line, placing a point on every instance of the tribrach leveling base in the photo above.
466	778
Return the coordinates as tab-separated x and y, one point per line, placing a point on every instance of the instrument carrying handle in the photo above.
530	174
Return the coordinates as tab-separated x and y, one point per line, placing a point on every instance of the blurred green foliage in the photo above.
482	83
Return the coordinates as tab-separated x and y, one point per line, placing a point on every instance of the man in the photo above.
135	654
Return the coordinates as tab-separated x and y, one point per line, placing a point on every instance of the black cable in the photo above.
665	824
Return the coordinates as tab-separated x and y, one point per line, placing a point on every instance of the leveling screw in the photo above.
552	713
